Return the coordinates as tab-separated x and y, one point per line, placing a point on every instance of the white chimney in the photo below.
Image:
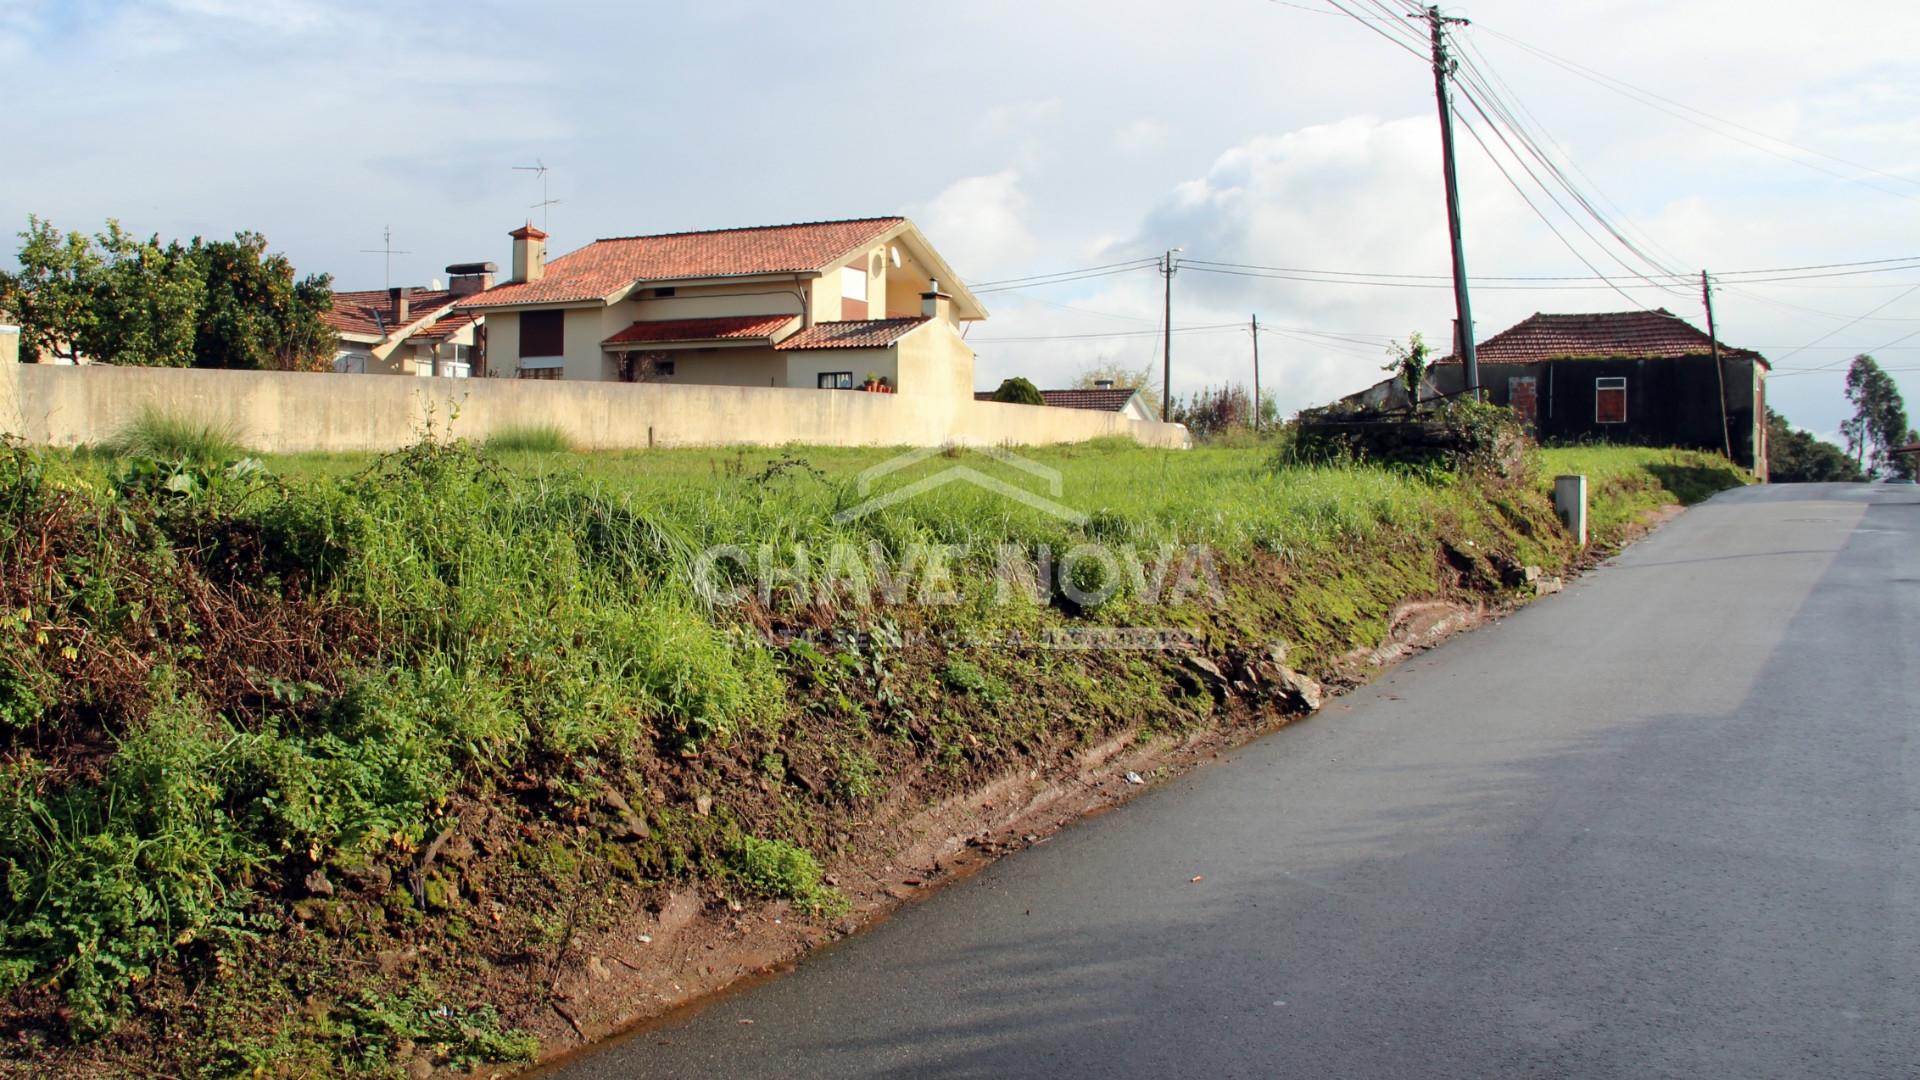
935	304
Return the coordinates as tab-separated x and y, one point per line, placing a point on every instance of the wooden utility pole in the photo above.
1719	375
1256	373
1443	67
1166	339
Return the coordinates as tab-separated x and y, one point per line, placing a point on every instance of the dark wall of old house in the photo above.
1669	402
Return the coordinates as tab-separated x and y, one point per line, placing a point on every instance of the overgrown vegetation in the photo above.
166	436
529	439
328	765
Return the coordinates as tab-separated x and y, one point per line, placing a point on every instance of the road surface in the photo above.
1663	824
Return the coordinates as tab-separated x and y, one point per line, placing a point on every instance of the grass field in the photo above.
247	706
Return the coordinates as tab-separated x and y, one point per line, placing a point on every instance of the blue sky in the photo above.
1025	137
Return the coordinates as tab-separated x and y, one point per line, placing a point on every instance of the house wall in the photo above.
760	366
804	366
297	411
1670	402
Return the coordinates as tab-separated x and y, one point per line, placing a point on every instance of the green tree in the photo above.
256	314
146	302
1907	466
1019	391
1795	457
1879	421
51	297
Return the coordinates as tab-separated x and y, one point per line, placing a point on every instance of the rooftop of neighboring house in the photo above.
1653	335
1104	399
608	267
372	311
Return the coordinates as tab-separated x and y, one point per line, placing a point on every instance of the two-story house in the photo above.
821	305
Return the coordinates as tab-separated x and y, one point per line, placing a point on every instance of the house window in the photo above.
836	380
664	292
543	333
645	367
540	373
1610	401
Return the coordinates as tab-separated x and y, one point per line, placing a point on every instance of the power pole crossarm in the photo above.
1443	67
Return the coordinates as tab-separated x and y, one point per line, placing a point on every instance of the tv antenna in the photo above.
539	168
386	248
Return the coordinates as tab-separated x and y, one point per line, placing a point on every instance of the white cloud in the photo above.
980	225
1143	136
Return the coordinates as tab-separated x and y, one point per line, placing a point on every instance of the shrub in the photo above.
778	870
530	439
1018	391
172	437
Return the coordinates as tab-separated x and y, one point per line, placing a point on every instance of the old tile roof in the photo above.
371	311
729	328
606	266
853	334
1101	400
1654	335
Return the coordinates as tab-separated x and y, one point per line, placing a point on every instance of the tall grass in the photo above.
529	439
175	437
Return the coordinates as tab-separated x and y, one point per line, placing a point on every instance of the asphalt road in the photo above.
1663	824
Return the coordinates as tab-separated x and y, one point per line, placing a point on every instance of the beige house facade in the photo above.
841	305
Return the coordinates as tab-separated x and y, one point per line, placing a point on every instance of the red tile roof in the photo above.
606	266
371	311
853	334
1656	335
730	328
1101	400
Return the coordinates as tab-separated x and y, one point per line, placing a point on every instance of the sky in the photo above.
1028	137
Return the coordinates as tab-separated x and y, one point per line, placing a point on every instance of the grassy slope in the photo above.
327	770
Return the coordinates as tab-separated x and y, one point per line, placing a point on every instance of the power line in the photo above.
1128	265
1641	95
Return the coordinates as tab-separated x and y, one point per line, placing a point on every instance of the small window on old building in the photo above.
1610	401
549	373
543	333
836	380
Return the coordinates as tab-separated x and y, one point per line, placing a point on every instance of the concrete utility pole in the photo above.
1167	268
1443	67
1256	373
1720	376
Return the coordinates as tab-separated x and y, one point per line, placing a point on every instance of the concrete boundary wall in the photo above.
292	412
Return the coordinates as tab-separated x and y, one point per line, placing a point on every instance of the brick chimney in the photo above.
401	297
529	253
935	304
465	279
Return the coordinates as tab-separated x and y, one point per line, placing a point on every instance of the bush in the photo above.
529	439
1460	434
1018	391
778	870
172	437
